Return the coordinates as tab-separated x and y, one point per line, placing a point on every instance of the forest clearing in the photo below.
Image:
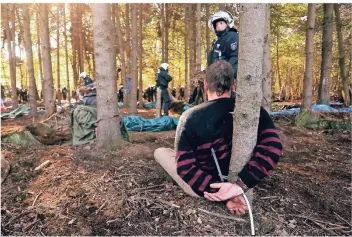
163	118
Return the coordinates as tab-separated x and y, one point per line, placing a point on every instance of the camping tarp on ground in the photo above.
140	124
324	108
149	105
20	111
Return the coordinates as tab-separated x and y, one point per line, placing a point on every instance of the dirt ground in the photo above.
87	191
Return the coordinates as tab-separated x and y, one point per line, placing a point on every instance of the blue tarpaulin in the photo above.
325	108
140	124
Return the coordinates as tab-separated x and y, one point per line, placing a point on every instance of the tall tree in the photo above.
162	27
198	39
343	72
267	70
80	35
66	53
249	96
207	31
48	90
167	27
308	74
140	54
191	44
11	62
128	39
58	52
326	61
133	99
186	52
108	131
29	56
121	45
40	55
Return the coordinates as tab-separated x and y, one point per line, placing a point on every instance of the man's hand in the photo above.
226	191
237	205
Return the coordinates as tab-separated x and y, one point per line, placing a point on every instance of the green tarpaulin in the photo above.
140	124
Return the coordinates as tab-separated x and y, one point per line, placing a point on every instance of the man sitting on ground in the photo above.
210	126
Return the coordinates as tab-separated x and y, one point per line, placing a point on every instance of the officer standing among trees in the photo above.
162	81
225	47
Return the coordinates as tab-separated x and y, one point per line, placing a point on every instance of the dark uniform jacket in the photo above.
225	48
163	79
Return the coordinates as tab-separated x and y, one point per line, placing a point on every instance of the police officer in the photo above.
225	47
162	81
87	80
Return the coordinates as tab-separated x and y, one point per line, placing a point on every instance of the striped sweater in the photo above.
210	125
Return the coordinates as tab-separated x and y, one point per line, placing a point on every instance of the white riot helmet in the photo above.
83	74
165	66
221	15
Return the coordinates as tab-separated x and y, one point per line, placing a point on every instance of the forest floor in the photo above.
87	191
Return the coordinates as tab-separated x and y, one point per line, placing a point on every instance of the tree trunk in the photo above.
343	72
128	41
108	131
267	70
222	6
40	57
13	33
308	74
80	35
47	66
140	56
66	53
326	61
74	43
207	31
198	39
191	48
162	27
277	61
29	55
186	53
167	26
133	99
58	53
121	46
158	103
12	66
247	110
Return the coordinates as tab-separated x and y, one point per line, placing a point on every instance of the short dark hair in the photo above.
220	77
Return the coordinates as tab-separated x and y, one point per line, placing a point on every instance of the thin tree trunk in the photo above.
47	66
29	56
222	6
246	115
133	103
162	33
140	55
167	26
40	58
277	61
158	103
207	31
80	35
12	66
66	53
326	62
191	48
128	42
13	32
58	53
186	53
308	74
74	43
108	131
121	45
267	70
198	39
343	72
